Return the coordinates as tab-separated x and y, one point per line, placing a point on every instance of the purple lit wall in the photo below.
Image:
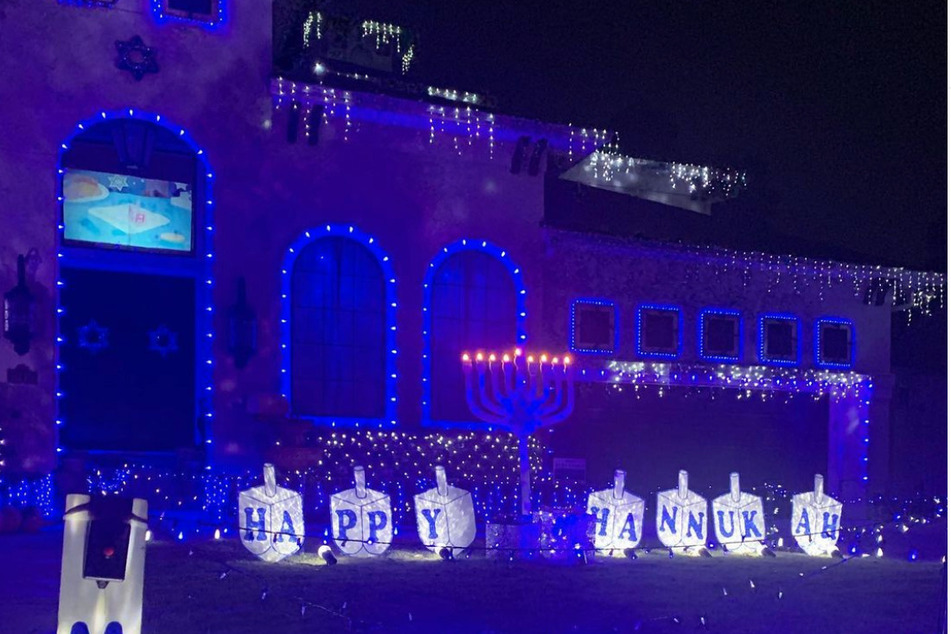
416	179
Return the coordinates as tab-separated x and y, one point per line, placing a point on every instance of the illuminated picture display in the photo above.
129	212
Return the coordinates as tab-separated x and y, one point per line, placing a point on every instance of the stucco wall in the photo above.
415	196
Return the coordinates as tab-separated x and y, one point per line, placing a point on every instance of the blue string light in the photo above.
701	343
837	322
390	380
161	14
521	313
639	327
573	332
202	268
764	357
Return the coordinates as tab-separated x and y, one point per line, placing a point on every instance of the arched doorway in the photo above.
134	289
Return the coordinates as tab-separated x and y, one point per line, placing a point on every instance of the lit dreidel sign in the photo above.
445	518
816	518
682	519
103	565
738	521
618	518
271	519
361	519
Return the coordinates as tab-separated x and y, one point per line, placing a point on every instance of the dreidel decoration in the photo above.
682	519
618	518
816	518
102	578
271	519
361	519
738	520
445	518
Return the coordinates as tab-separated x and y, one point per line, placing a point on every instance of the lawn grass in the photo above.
217	587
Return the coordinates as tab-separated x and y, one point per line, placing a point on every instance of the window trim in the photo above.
521	315
761	343
572	330
701	346
641	308
389	284
834	321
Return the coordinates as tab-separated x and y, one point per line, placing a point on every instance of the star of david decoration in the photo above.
136	57
93	337
163	341
117	182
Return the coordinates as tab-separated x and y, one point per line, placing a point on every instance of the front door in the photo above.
128	357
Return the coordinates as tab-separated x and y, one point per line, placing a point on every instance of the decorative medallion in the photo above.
93	337
163	341
136	57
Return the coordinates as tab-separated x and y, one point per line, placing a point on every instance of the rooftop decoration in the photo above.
914	292
683	185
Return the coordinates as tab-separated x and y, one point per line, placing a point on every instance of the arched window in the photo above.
339	329
474	298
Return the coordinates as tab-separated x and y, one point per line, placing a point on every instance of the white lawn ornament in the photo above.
271	519
445	517
738	520
682	519
618	518
103	572
815	521
361	519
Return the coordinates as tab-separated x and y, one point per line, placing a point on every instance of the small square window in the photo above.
658	331
834	343
206	12
594	326
779	339
720	334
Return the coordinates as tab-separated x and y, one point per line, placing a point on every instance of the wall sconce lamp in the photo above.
19	312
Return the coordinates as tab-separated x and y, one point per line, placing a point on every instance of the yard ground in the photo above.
211	587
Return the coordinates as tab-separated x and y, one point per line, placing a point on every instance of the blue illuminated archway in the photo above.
521	314
203	269
370	243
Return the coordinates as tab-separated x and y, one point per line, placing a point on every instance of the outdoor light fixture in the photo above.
325	553
18	312
103	565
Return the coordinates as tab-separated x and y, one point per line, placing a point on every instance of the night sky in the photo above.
836	110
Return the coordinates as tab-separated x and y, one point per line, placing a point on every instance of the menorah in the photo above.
520	394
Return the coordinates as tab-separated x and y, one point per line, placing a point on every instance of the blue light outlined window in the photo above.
720	335
593	326
779	339
659	331
835	343
446	292
338	329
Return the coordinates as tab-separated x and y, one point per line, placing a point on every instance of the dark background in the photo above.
837	111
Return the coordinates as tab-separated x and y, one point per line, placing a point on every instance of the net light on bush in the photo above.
619	518
271	519
682	519
816	518
361	519
738	521
445	518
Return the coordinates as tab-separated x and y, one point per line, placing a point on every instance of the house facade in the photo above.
222	258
